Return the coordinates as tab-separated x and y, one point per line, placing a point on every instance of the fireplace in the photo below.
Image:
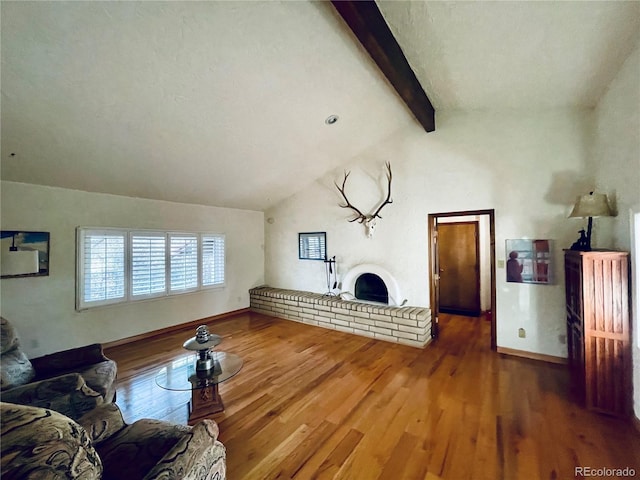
372	283
370	287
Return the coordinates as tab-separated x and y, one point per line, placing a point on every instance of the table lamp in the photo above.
589	206
202	343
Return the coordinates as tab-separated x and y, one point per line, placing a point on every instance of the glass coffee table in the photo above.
181	375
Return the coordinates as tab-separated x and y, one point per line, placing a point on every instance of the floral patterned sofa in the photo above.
44	444
71	382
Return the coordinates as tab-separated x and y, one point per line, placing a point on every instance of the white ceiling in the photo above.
482	55
223	103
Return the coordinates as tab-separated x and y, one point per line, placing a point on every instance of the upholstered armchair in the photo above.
71	382
44	444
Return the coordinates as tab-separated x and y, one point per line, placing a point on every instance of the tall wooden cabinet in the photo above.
598	329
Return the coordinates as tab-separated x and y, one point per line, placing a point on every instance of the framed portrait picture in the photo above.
529	261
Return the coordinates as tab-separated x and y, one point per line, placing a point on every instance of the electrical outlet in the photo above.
34	343
500	263
522	333
562	339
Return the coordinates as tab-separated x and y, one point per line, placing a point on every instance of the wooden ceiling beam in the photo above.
367	23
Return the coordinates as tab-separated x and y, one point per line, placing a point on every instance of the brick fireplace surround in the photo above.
407	325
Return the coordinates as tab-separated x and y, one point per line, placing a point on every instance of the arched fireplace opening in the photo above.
392	291
370	287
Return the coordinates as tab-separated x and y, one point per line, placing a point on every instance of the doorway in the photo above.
459	268
462	265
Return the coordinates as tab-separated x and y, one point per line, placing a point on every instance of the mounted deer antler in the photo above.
388	200
368	220
361	216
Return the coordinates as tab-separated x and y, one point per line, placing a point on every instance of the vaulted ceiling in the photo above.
224	103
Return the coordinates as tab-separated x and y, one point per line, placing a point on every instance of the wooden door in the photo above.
459	268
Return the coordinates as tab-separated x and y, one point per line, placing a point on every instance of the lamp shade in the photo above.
591	205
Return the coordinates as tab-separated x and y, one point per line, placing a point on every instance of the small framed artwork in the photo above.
312	246
24	254
529	261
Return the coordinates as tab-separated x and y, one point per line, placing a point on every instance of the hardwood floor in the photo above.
313	403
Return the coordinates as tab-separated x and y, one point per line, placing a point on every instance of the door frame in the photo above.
433	266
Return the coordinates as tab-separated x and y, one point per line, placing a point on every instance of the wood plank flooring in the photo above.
311	403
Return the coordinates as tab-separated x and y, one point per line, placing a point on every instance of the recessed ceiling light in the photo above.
331	119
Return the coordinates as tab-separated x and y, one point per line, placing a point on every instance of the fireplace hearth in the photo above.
397	324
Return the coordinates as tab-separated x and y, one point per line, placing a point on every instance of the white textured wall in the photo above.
616	162
616	159
529	168
43	308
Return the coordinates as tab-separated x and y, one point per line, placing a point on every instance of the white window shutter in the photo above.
102	262
148	264
213	260
183	262
115	265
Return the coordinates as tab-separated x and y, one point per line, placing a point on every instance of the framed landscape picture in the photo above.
24	254
312	246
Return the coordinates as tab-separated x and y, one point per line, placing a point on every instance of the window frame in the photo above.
129	297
